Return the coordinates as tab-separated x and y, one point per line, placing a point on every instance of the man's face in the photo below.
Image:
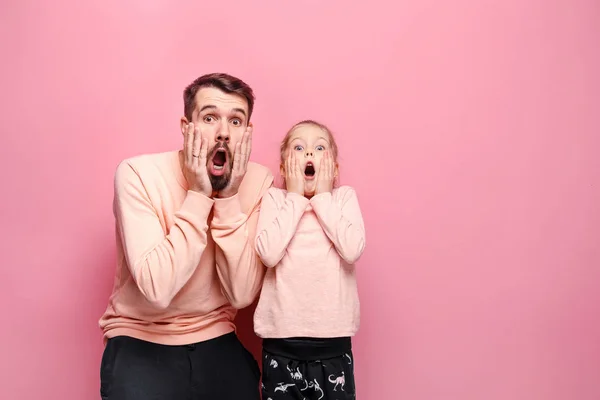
222	119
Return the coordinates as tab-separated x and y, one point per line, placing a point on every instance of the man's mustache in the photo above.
216	148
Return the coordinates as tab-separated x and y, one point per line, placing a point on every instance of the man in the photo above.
185	224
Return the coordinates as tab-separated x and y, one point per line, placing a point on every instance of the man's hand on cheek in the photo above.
241	156
195	149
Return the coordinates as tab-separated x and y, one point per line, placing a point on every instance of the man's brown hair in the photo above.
224	82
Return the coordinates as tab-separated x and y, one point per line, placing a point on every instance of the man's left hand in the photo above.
240	164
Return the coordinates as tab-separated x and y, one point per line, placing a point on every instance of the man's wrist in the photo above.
227	209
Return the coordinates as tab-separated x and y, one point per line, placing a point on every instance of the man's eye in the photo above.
236	122
208	118
320	148
298	147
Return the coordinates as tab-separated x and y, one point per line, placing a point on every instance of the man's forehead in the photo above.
220	100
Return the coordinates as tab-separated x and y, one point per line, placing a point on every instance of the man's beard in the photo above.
220	182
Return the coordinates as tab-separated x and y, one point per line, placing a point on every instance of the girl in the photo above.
309	236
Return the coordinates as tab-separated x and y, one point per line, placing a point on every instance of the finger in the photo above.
189	143
244	148
237	156
203	152
296	165
249	146
196	146
292	163
299	169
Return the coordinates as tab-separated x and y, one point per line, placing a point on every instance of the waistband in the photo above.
308	349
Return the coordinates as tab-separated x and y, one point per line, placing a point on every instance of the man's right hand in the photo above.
195	150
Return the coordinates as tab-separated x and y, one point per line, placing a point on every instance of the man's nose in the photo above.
223	133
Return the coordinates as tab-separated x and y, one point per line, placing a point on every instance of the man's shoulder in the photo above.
145	166
148	161
257	181
258	171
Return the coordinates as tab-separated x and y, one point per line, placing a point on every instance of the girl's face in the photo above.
308	143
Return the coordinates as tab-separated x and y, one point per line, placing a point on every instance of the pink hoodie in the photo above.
185	262
310	248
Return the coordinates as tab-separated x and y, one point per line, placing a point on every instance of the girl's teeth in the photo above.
217	167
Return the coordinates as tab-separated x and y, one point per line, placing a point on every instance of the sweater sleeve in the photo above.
279	218
341	219
160	264
238	266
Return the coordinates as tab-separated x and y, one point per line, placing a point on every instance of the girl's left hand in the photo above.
326	175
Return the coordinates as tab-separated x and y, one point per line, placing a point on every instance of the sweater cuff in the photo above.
297	198
196	207
228	210
321	200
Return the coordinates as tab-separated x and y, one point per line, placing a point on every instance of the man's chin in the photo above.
219	182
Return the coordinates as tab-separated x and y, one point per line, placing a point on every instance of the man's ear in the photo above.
184	123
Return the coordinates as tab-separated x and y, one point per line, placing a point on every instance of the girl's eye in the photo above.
320	148
298	147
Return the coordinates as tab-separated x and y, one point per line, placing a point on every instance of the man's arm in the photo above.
342	222
277	224
160	264
238	266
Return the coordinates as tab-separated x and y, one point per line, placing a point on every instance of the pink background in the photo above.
470	130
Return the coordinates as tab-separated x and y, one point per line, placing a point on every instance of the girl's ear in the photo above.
282	170
336	170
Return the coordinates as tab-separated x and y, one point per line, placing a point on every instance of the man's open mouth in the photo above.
309	170
219	159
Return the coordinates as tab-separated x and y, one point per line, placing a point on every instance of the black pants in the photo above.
308	369
218	369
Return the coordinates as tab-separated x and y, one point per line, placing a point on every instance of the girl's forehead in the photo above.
308	132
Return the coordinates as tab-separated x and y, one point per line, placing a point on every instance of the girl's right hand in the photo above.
294	177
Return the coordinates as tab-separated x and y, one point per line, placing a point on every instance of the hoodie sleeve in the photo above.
233	230
340	216
159	264
280	214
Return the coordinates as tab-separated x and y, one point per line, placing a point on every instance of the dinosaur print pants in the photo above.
308	369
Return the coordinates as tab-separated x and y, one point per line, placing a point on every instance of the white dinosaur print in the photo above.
349	358
315	385
283	387
273	363
340	380
305	387
296	375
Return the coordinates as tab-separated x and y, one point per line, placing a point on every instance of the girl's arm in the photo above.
279	216
341	219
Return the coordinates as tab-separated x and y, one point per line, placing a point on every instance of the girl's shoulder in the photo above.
276	195
343	192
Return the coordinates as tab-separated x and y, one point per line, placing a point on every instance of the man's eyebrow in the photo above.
207	107
240	110
213	107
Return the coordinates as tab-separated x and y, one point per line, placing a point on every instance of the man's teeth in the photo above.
218	167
